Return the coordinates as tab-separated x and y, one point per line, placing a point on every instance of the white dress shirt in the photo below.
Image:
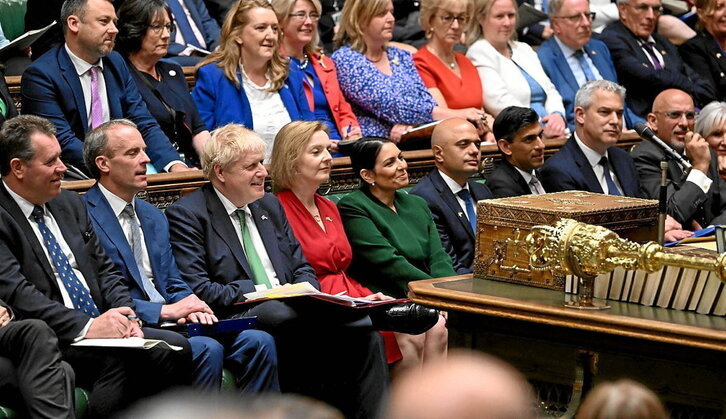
574	63
528	178
269	114
593	157
83	69
231	210
455	188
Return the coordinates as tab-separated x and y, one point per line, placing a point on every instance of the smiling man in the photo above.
449	193
648	63
698	199
589	161
231	238
83	83
519	138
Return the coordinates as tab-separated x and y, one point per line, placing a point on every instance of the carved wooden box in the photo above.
503	225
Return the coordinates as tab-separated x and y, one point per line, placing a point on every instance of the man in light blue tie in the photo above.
571	57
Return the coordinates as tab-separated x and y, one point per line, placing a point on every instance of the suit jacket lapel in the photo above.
620	167
11	207
269	237
583	164
565	68
69	74
222	225
150	235
113	88
450	200
514	174
600	62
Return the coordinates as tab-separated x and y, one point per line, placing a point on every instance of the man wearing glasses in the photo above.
696	199
648	63
571	57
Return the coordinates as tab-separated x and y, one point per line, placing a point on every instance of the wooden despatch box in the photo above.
503	225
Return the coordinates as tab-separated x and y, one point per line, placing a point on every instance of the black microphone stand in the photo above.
663	199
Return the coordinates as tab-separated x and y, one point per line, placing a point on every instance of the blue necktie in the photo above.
612	188
584	65
469	203
136	244
180	18
79	294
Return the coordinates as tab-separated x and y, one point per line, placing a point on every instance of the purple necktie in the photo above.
649	49
96	105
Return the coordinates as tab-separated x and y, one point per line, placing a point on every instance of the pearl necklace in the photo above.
304	63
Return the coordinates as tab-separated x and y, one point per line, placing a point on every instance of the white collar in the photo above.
26	206
81	65
452	184
117	204
229	207
592	156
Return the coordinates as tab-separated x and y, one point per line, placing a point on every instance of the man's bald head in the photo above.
672	117
466	385
456	147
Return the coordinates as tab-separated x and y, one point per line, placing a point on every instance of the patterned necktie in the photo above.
536	186
469	204
180	18
584	65
253	259
136	247
78	293
96	104
612	188
654	58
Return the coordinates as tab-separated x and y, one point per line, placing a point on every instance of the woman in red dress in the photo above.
301	162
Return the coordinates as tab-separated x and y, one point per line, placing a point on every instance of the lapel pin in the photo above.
395	61
172	73
718	55
593	52
328	219
264	217
460	214
663	52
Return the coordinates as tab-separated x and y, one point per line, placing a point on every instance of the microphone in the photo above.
646	133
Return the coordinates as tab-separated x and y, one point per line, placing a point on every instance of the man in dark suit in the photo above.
33	379
449	193
231	238
83	83
698	199
571	57
648	63
197	28
55	270
7	106
589	160
519	138
115	154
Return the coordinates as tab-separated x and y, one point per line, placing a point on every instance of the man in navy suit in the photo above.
571	57
695	200
648	63
114	153
519	138
231	238
589	161
449	193
81	84
193	26
55	270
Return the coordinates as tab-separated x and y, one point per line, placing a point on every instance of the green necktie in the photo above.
3	108
253	259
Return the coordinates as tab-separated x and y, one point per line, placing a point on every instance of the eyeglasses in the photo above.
589	16
449	19
157	28
690	115
643	8
302	16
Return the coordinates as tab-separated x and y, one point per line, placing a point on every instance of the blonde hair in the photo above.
289	145
227	145
283	8
228	56
622	399
481	8
355	14
430	7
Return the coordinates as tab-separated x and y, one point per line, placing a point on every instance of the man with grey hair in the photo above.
588	161
648	63
83	83
572	57
231	238
135	235
55	270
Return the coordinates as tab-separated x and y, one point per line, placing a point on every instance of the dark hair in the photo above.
73	7
15	138
512	119
96	141
134	18
364	153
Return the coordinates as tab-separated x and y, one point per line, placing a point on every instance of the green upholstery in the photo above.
81	406
12	18
7	413
228	380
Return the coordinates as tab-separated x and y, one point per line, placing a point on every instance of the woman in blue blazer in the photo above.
246	80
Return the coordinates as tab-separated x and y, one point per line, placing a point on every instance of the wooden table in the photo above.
681	355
